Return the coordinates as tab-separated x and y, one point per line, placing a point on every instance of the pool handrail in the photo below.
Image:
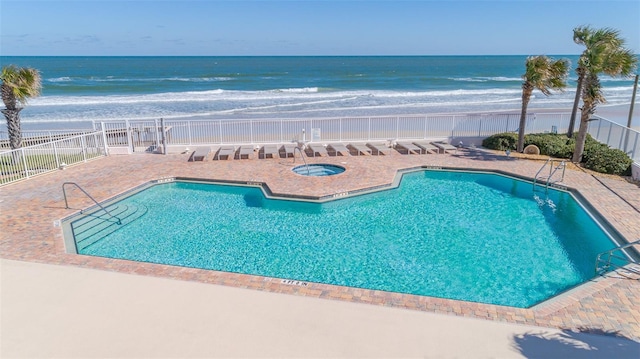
66	203
626	258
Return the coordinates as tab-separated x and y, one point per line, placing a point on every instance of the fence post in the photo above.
164	137
55	154
105	145
129	136
84	148
24	162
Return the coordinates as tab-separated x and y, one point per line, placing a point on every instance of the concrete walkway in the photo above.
69	312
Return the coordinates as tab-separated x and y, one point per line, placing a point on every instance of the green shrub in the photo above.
597	156
601	158
501	141
551	144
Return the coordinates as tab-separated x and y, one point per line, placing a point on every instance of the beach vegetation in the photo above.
604	53
501	141
544	74
597	156
19	84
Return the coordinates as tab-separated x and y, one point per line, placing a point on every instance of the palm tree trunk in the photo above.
526	96
582	132
576	101
13	127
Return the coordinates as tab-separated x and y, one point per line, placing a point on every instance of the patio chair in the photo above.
269	150
445	147
409	148
200	154
245	151
318	148
427	146
339	148
360	148
379	147
289	149
225	151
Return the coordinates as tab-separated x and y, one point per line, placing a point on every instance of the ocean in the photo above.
77	90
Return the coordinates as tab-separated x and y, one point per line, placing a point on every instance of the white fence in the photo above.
616	136
33	160
129	136
148	135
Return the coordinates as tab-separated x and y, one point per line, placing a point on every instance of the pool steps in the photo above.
92	228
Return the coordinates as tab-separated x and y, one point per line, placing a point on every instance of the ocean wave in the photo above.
59	79
485	79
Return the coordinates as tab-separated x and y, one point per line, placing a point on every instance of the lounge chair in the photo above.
225	151
289	149
445	147
200	154
427	146
317	148
269	150
379	147
245	151
360	148
409	148
339	148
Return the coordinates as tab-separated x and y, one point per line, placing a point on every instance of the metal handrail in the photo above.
552	171
66	203
301	155
561	165
611	255
535	179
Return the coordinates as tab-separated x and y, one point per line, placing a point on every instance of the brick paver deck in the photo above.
31	211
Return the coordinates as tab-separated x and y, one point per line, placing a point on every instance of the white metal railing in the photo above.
33	160
146	135
616	136
35	137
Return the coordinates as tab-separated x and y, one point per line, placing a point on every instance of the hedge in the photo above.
597	156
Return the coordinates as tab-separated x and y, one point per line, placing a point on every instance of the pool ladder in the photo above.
66	203
621	260
553	169
301	155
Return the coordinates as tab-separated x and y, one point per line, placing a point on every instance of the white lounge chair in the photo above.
270	150
379	147
410	148
200	154
289	149
225	151
427	146
360	148
245	151
339	148
318	148
445	147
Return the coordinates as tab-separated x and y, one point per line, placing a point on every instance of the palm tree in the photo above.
19	84
544	74
604	53
596	43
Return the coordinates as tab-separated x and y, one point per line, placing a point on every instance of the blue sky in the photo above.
208	27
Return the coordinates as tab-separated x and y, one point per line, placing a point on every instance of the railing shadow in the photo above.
481	155
583	343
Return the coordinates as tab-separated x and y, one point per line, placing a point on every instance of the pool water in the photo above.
470	236
318	169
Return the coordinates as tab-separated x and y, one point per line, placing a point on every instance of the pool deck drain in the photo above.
30	207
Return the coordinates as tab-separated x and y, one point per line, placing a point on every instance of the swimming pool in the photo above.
478	237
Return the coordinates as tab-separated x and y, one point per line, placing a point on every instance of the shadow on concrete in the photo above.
583	343
480	155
